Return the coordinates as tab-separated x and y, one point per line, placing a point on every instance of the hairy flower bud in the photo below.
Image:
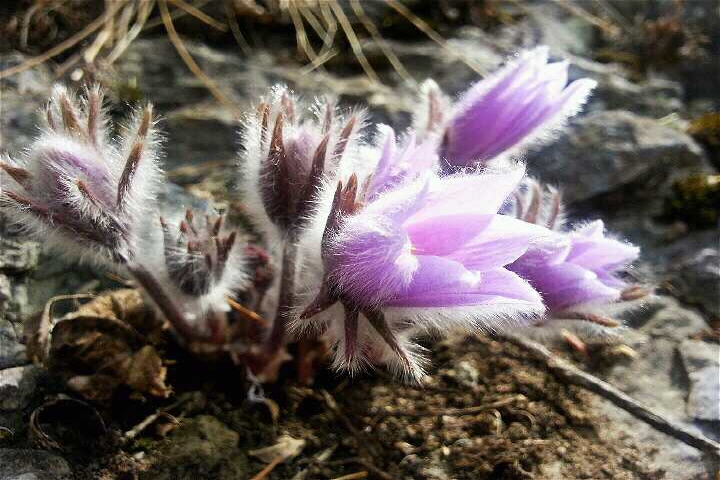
289	152
79	189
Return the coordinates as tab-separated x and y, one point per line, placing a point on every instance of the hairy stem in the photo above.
286	297
166	305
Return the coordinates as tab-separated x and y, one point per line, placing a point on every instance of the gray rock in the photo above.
18	256
22	97
702	364
603	153
23	464
5	292
697	279
672	321
654	97
200	133
657	378
17	386
12	351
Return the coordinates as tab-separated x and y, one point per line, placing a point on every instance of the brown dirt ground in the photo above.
485	411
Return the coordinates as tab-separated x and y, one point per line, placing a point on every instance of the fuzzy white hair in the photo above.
77	128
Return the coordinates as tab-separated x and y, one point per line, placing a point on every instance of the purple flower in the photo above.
525	100
77	188
398	163
581	270
426	256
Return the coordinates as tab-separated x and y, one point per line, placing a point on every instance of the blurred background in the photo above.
643	155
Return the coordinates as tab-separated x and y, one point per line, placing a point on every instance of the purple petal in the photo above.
469	194
440	282
443	235
503	241
566	285
519	102
370	264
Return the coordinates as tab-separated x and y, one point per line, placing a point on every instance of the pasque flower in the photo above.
95	197
524	101
195	262
76	187
582	270
288	149
578	267
425	256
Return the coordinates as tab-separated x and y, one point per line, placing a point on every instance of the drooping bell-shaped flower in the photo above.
522	102
428	255
77	188
288	151
583	271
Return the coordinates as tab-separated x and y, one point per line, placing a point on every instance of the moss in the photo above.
201	447
695	200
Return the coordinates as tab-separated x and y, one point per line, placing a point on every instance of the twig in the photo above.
190	61
124	42
331	28
375	33
235	27
200	15
353	476
354	42
571	374
459	411
137	429
64	45
363	463
268	468
607	27
156	22
301	37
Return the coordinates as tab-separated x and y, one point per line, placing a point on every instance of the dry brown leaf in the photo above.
146	373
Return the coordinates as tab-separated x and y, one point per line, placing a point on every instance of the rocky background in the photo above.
643	156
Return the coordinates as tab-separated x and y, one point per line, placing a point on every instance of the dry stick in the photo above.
190	62
137	429
331	30
123	43
64	45
200	15
301	38
354	42
423	26
235	27
571	374
269	468
459	411
387	51
353	476
156	22
104	36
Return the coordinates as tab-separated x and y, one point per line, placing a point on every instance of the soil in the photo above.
485	411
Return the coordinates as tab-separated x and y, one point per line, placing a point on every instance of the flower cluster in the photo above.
378	241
